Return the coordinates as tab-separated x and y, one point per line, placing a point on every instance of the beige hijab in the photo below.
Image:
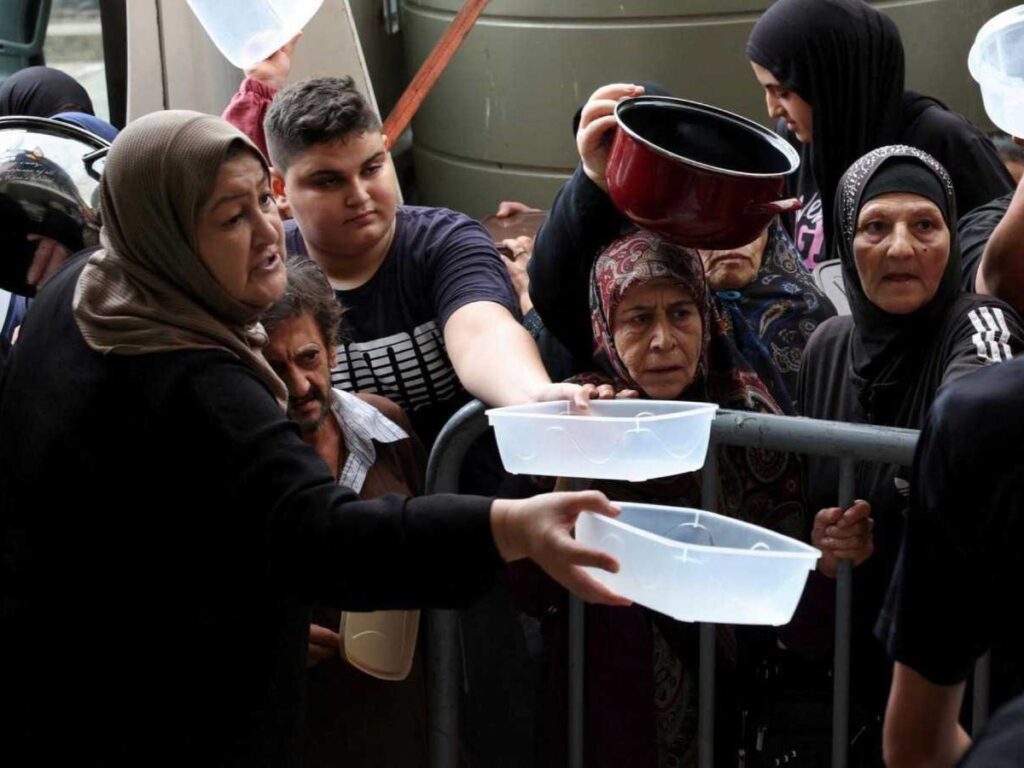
147	289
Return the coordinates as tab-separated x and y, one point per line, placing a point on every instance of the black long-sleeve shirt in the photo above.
582	220
164	532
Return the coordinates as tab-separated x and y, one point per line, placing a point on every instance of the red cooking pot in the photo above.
697	174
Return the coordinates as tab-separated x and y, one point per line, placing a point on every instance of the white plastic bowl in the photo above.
996	61
694	565
248	31
618	440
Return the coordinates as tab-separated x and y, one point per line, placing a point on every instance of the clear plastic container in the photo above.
248	31
996	61
694	565
618	440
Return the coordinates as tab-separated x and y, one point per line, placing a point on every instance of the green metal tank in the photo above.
497	125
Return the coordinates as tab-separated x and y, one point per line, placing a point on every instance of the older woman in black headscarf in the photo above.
912	331
833	75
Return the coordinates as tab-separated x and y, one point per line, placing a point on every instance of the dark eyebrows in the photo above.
377	158
889	209
224	199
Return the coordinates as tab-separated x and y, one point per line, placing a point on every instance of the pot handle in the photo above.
778	206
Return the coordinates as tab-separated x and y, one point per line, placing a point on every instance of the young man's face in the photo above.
343	194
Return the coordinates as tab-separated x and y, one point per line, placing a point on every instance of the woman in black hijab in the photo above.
912	331
43	92
833	72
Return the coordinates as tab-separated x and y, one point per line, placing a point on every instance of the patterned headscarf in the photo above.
772	318
762	487
637	258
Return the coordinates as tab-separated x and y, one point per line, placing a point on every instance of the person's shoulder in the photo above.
830	334
986	401
436	218
391	410
988	315
436	233
985	216
938	125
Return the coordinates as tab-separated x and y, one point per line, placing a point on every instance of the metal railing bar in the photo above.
848	442
844	609
706	673
442	641
577	665
884	445
982	693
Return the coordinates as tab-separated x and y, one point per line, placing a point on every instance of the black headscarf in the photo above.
845	59
884	344
42	92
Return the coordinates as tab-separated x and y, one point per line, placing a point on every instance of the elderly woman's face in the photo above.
657	329
239	233
735	269
901	248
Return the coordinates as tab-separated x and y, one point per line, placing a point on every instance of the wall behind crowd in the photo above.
497	124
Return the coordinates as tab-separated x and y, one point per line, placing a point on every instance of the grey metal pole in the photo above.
795	434
443	676
844	606
706	674
982	693
577	633
442	641
577	665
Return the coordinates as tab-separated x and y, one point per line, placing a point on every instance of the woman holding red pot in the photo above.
833	73
770	302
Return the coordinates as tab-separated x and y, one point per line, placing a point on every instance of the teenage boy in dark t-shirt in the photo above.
956	590
431	317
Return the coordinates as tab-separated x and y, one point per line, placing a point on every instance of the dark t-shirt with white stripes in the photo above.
439	261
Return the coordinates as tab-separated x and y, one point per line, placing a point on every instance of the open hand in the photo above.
539	528
580	395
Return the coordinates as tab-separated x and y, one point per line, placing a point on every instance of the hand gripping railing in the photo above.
847	442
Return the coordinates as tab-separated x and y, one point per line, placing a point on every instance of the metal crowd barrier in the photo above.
847	442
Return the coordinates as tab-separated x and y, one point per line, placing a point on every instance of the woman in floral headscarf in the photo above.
658	332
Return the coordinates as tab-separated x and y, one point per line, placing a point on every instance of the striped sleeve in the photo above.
987	333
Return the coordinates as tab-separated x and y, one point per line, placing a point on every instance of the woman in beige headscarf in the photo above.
164	527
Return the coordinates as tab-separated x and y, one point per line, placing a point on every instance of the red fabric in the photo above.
247	108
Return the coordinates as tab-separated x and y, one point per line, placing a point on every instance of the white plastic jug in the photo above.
248	31
996	61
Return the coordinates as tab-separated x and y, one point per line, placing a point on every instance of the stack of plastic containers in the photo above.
689	564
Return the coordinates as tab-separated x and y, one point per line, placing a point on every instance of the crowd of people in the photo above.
214	428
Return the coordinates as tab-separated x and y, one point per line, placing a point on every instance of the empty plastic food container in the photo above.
996	61
618	440
694	565
248	31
